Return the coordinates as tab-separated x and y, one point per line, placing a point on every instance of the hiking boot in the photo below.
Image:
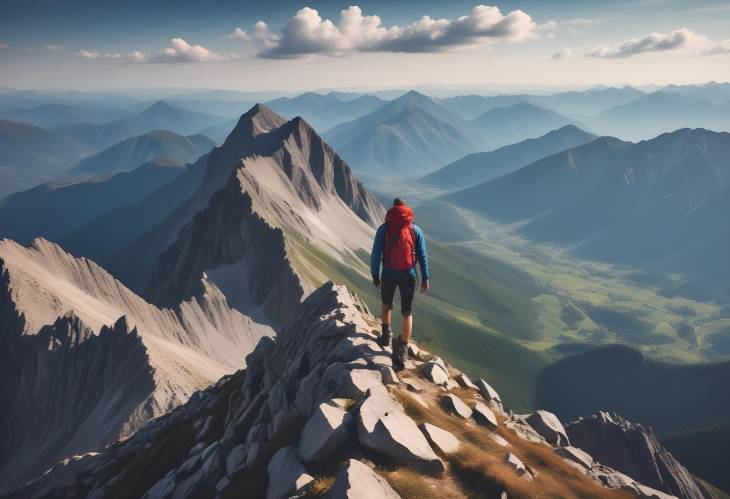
400	355
386	337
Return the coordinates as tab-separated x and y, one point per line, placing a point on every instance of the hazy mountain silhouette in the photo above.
132	152
507	125
482	166
325	111
55	209
30	155
410	134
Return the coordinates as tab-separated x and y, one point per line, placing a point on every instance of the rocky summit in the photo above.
318	411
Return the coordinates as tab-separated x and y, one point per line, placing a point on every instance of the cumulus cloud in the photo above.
182	51
307	33
563	53
654	42
238	34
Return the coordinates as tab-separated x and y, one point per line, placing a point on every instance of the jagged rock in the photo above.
340	403
456	406
449	385
163	488
465	382
633	450
356	480
386	429
441	439
287	475
499	440
236	459
517	465
489	393
440	362
435	373
389	376
549	427
415	385
484	416
523	430
355	384
576	455
325	433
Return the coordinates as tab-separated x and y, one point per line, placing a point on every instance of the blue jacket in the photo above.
376	256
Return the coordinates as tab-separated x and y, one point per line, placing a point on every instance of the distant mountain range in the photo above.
30	155
661	112
53	115
130	153
482	166
659	204
56	209
506	125
325	111
410	134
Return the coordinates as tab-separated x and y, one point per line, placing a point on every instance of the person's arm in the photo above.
422	255
376	255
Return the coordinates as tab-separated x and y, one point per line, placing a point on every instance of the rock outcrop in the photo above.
84	361
633	450
268	430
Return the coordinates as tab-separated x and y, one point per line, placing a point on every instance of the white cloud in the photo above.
722	47
182	51
53	47
563	53
89	54
4	46
238	34
307	33
678	39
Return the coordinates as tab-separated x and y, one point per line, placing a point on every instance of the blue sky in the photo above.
367	44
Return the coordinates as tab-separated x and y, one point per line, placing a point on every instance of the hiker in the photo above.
399	244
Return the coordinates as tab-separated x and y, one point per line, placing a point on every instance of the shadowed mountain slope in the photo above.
482	166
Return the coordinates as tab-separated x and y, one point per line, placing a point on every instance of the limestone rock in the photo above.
489	393
485	416
287	476
575	455
435	373
549	426
354	384
326	432
456	406
465	382
441	439
356	480
517	465
386	429
388	375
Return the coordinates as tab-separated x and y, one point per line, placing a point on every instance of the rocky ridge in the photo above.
319	411
85	361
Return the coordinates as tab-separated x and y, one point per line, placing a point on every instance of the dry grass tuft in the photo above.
479	467
411	484
321	486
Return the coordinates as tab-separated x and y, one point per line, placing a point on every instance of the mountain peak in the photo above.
161	106
254	122
415	97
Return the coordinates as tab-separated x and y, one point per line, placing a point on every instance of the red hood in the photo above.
399	216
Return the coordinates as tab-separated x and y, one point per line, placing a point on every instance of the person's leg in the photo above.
407	289
407	328
387	291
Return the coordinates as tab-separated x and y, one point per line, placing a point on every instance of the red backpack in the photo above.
399	250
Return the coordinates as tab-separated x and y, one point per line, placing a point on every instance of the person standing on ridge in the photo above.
399	244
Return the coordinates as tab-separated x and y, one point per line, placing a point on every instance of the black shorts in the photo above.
406	284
